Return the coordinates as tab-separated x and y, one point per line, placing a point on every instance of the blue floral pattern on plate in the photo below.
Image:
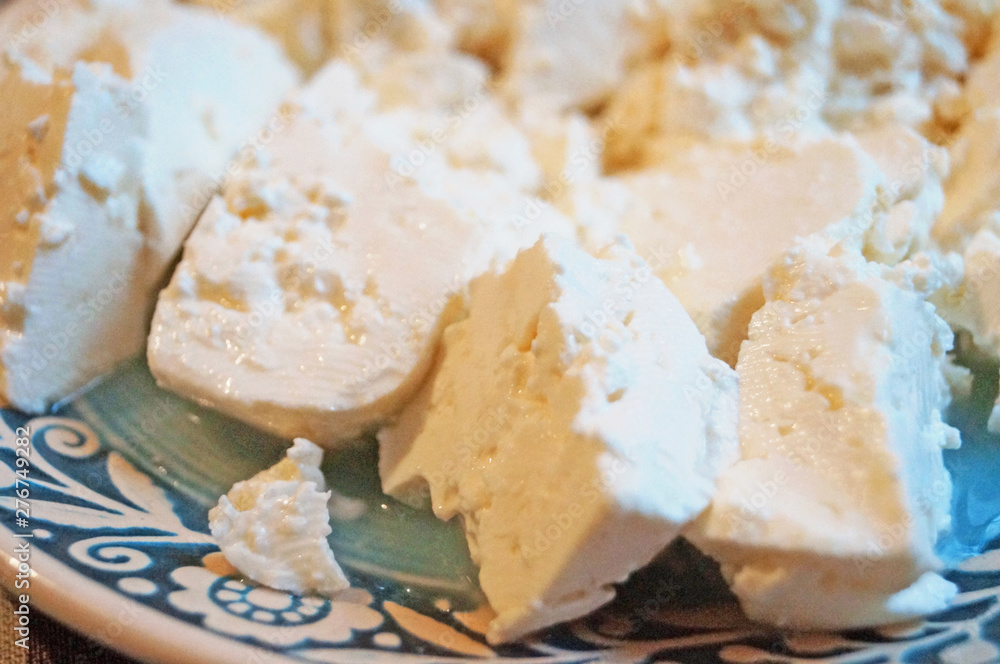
116	495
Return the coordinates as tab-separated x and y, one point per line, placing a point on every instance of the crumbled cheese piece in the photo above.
764	69
975	305
842	488
274	526
575	421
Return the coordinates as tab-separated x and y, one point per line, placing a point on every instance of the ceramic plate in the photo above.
121	480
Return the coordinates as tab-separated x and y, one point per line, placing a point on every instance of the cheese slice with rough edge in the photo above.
575	422
114	160
312	293
842	490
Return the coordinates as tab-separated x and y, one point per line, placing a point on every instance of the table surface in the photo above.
50	643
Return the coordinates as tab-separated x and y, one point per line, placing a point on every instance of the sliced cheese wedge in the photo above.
842	490
575	422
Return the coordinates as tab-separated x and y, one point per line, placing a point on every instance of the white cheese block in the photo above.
712	219
274	526
842	490
114	162
74	290
311	295
575	421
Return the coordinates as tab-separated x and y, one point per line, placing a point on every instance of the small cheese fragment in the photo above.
842	490
711	219
107	166
312	293
274	526
575	422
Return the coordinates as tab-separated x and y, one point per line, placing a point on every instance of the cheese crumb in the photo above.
274	526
